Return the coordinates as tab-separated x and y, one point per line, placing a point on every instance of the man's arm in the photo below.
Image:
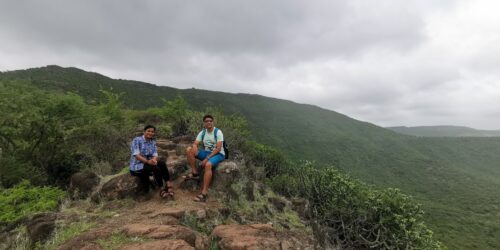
195	144
136	152
146	161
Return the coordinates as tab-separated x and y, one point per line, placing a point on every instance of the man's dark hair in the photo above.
149	126
208	116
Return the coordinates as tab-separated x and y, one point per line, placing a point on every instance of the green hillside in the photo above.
456	179
444	131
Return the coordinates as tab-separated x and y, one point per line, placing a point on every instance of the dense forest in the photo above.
455	179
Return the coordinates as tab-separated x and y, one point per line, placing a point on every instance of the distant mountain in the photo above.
456	178
444	131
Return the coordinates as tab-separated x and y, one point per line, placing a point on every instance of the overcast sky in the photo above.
387	62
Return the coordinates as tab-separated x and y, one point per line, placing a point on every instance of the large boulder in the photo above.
183	139
226	174
87	239
82	184
278	203
180	149
165	144
177	167
159	245
119	187
259	236
161	232
41	226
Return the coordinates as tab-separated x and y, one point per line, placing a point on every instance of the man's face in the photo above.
149	133
208	123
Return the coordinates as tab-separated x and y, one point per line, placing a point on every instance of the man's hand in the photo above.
152	162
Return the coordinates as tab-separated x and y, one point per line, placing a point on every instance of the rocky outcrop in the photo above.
161	232
159	245
82	184
184	224
226	174
86	240
256	236
278	203
41	226
119	187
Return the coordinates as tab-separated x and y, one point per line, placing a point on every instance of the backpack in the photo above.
224	145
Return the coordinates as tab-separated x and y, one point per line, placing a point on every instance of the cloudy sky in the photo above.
387	62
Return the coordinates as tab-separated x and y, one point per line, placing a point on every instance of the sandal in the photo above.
167	193
191	176
201	198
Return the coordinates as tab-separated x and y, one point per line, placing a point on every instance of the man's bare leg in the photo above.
191	158
207	178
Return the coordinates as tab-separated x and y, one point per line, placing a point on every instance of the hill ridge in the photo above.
444	131
465	170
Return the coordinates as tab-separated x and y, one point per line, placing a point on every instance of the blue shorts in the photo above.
214	160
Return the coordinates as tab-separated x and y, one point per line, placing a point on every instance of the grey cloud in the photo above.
375	61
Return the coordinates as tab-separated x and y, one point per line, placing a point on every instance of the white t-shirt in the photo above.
209	142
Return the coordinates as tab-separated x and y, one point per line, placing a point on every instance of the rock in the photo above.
91	246
165	144
161	232
256	236
202	242
167	220
186	139
180	149
198	213
159	245
190	185
225	212
227	173
301	206
172	155
278	203
82	184
163	154
119	187
117	166
174	212
41	226
259	236
85	240
177	167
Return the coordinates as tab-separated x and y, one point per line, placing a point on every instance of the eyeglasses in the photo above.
207	121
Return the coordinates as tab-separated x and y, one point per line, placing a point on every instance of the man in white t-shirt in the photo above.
210	155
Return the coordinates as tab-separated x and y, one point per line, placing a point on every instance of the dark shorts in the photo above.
214	160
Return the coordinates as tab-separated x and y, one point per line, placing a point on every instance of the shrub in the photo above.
25	200
54	135
361	215
272	160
